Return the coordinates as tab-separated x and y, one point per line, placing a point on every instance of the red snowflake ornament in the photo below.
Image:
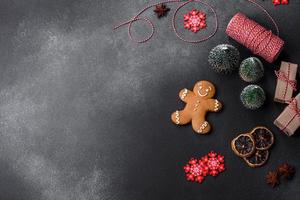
215	163
282	2
276	2
195	20
211	164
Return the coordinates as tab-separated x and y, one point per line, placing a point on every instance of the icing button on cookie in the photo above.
198	103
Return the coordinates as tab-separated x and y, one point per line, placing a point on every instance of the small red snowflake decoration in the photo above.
276	2
282	2
211	164
195	20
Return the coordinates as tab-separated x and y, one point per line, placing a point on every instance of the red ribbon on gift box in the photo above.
282	76
294	107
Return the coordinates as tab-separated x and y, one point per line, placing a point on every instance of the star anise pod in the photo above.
286	170
272	179
161	10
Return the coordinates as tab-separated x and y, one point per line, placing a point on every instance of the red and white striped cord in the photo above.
183	3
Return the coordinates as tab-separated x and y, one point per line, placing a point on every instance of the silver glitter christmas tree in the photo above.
224	58
253	97
251	70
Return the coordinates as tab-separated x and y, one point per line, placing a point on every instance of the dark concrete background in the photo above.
85	113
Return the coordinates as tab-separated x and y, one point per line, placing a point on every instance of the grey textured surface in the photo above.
85	113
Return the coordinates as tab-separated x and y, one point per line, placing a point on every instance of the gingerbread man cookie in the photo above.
198	103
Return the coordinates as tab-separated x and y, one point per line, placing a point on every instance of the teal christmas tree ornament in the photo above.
224	58
253	97
251	70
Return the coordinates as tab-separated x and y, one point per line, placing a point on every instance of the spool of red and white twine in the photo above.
255	37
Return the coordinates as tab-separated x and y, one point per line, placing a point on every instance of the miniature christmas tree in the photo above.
253	97
224	58
251	70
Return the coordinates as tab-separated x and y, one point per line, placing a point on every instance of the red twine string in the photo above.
282	76
293	105
184	3
137	17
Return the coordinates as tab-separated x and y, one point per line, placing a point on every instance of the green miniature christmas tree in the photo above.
253	97
251	70
224	58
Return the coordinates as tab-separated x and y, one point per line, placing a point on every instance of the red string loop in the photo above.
255	47
183	3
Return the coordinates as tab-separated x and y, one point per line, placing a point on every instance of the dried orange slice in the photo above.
243	145
263	138
259	158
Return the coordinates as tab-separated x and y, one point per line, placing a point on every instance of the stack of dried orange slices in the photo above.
254	147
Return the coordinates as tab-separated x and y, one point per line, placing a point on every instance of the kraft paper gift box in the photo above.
289	120
286	82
